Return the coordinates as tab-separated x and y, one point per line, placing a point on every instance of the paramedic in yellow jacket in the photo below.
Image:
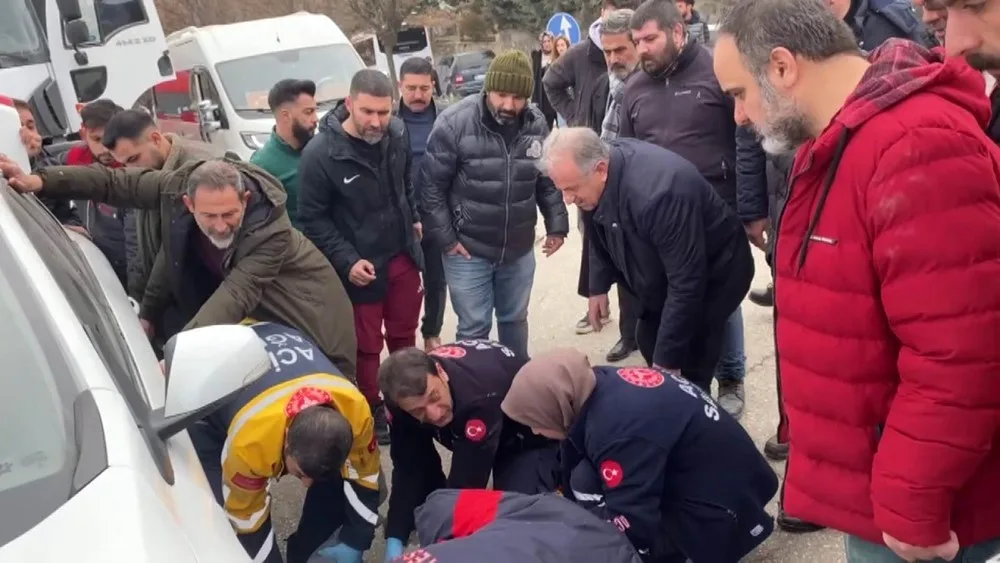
302	418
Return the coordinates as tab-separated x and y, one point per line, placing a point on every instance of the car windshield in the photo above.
37	446
21	39
247	81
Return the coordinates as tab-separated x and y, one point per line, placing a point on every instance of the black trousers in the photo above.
435	290
703	355
322	511
628	305
531	472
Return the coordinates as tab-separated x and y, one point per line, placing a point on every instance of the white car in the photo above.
95	462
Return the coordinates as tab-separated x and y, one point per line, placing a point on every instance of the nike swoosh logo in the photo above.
351	179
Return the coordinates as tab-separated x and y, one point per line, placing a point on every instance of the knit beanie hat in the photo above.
511	73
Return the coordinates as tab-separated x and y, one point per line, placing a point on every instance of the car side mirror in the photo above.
205	367
208	117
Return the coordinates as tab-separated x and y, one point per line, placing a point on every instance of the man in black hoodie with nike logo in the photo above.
356	204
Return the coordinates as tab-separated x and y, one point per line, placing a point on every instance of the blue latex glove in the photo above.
393	549
341	553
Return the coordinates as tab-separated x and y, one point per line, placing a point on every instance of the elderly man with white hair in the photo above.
661	230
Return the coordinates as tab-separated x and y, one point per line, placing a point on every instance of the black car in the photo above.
467	73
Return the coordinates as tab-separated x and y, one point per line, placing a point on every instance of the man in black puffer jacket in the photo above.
479	188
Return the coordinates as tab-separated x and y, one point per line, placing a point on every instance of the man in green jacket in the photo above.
135	141
293	103
228	251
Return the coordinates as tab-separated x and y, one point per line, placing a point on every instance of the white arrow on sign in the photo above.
565	26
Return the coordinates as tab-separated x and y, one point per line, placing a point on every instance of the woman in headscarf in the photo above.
677	474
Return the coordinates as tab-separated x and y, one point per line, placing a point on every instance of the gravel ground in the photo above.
555	308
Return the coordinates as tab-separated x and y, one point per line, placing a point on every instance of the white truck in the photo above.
60	54
224	74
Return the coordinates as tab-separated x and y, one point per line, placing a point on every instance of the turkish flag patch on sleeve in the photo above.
611	473
248	483
475	430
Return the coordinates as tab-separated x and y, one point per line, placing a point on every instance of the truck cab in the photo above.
61	54
225	72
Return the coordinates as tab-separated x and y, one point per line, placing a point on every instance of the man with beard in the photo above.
892	446
576	83
293	104
419	110
692	20
763	188
479	192
357	205
622	59
228	252
135	141
677	103
973	31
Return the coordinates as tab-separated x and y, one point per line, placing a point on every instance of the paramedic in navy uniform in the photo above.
452	395
663	451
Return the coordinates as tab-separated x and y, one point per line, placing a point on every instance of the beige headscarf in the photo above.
549	391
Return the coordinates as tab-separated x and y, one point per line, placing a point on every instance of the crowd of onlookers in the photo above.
833	135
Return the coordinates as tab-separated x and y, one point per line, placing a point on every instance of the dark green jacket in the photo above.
147	222
281	160
272	272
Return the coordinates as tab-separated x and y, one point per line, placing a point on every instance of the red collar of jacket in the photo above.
80	155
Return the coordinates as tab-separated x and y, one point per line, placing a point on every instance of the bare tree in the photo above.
387	18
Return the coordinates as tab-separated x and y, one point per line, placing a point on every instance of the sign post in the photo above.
562	23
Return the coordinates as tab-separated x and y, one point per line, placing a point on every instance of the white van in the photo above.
224	73
410	42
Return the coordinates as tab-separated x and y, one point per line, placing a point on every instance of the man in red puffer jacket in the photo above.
887	261
105	223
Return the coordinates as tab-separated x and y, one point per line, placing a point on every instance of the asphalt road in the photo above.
555	309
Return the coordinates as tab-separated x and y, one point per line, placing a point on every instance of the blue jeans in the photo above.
478	287
733	360
863	551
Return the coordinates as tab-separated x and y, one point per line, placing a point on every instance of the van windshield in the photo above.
247	81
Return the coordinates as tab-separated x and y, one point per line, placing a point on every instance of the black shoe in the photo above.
775	450
381	426
620	351
795	525
763	298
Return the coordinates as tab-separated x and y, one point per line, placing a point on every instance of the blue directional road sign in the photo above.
564	24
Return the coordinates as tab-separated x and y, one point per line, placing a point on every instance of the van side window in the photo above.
105	18
366	50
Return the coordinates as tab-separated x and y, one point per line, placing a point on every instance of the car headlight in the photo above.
255	140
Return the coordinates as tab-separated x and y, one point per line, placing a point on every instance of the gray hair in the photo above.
618	22
807	28
214	175
404	374
581	144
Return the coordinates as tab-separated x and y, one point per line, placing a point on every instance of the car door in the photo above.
102	305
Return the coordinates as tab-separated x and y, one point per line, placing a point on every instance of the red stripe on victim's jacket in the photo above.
474	509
